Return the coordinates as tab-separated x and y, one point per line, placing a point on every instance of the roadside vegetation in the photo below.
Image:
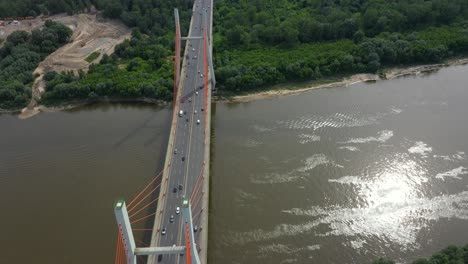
20	55
449	255
261	43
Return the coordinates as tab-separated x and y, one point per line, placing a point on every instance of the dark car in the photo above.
182	100
174	190
181	187
195	229
186	119
183	158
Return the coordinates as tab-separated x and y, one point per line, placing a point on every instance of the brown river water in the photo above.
340	175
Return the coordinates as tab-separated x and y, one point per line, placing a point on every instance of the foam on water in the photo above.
358	243
313	247
455	173
336	120
383	136
455	157
350	148
306	138
259	128
348	180
313	161
301	172
420	148
289	260
243	198
251	143
395	223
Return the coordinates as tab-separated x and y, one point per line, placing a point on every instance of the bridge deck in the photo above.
192	141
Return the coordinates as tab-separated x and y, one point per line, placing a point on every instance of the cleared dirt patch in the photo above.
90	35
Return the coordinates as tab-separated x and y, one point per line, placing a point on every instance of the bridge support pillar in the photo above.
131	251
125	231
187	218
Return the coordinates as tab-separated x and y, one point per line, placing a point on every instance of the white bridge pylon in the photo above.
131	251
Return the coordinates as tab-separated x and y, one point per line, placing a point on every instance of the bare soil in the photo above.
90	33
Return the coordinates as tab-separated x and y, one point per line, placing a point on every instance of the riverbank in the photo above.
26	113
388	74
280	90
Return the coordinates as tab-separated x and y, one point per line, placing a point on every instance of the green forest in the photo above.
259	43
20	55
449	255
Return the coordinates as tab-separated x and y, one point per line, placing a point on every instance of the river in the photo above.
340	175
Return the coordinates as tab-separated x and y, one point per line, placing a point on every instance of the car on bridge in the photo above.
171	219
182	100
163	232
198	121
177	210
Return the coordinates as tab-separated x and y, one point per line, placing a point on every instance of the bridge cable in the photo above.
198	200
147	186
135	206
197	214
143	243
144	207
197	182
143	218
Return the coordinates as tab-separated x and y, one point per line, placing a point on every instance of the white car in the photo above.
177	210
196	93
193	49
198	121
195	112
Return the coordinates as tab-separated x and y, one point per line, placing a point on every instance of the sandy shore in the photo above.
388	74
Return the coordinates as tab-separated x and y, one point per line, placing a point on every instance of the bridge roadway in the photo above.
188	148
